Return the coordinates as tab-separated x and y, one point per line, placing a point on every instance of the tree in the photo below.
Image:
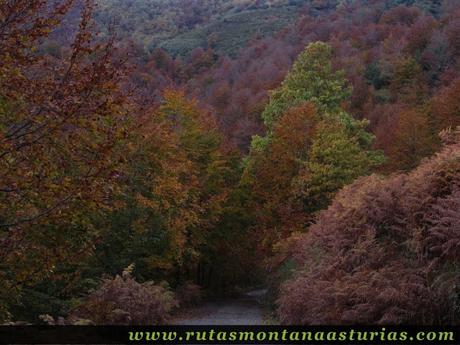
407	83
445	107
311	150
413	140
62	121
270	174
313	79
176	184
335	159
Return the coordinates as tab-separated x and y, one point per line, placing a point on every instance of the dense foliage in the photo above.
221	144
122	300
61	125
223	24
396	59
385	252
312	147
91	181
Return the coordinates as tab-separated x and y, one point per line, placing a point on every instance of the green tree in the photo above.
312	147
336	158
313	79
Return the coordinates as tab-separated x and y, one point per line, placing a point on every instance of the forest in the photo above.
155	155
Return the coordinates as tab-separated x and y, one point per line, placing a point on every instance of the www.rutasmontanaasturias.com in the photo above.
291	336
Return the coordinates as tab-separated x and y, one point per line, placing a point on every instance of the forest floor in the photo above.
242	310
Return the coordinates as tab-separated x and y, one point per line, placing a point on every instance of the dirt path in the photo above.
244	310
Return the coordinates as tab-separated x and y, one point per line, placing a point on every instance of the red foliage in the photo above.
446	106
414	53
386	251
277	210
122	301
189	294
401	15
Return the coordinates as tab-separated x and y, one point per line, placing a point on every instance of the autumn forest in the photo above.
157	154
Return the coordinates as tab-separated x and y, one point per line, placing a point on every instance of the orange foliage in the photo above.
446	106
62	123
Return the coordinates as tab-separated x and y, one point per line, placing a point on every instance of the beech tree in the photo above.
61	121
175	186
413	139
155	170
445	107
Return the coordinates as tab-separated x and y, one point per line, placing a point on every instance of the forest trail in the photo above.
243	310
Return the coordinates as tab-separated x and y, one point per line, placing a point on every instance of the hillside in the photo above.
230	32
179	27
225	25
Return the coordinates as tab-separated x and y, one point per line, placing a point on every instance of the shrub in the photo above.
189	294
122	300
387	251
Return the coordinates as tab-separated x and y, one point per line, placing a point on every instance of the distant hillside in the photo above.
179	26
232	31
